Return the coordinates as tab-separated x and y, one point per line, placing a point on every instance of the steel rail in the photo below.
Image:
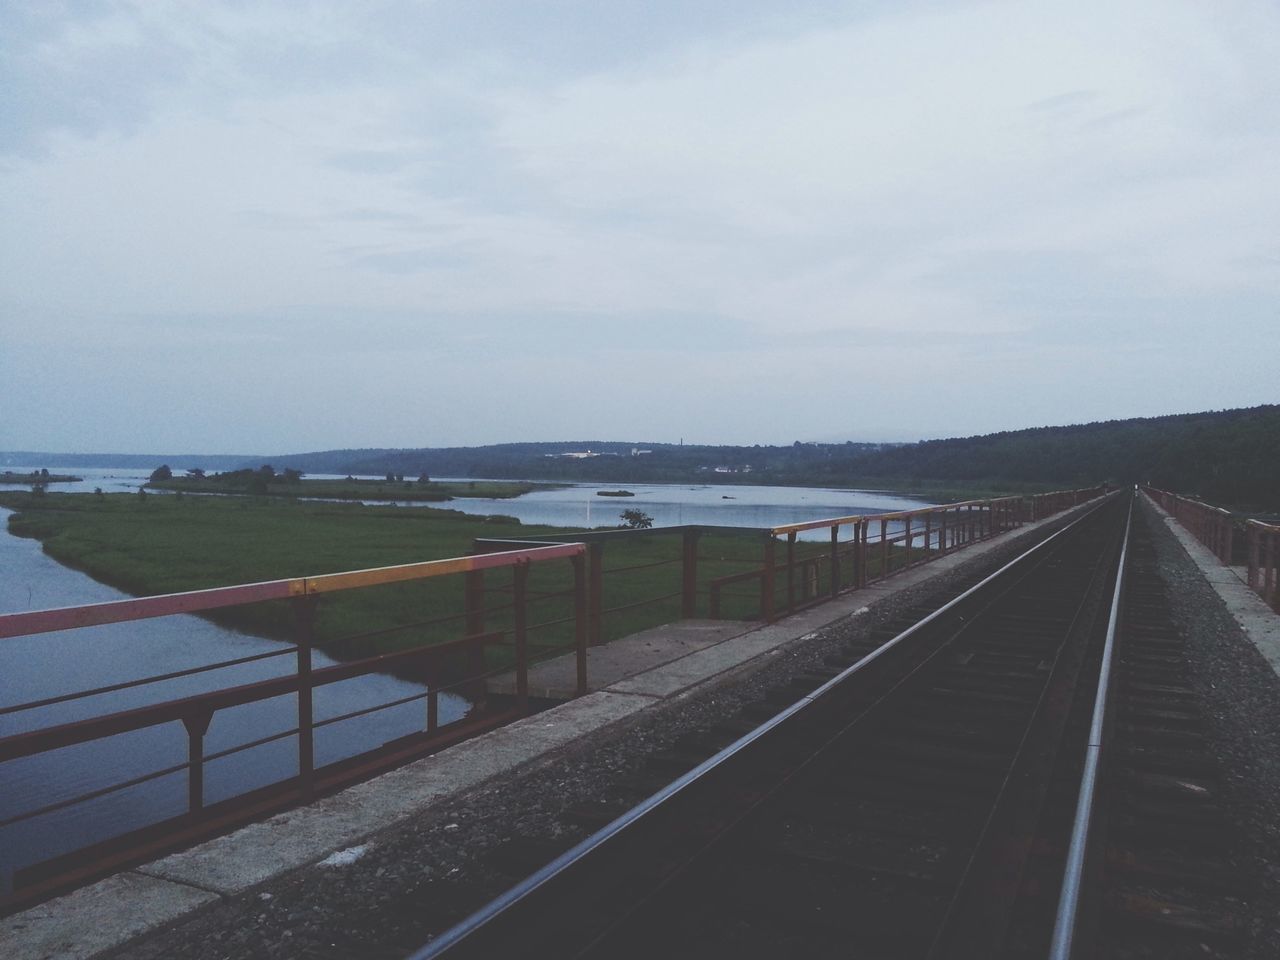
1067	922
503	906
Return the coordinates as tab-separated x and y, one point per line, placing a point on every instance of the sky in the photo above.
258	227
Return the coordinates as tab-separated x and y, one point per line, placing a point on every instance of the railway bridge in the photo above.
1004	728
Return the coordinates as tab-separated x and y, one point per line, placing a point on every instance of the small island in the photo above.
614	493
37	476
265	482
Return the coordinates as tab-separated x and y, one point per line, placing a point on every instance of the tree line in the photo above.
1229	457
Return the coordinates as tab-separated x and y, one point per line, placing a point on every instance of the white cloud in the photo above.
737	190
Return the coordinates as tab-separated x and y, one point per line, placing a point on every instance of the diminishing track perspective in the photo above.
1162	873
887	814
967	788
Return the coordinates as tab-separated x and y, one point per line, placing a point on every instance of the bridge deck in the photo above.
645	673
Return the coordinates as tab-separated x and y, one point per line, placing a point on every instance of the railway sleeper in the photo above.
1162	866
1221	920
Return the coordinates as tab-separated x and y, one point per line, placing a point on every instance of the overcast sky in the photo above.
247	227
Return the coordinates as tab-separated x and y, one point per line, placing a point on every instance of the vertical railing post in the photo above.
1255	581
304	619
928	535
835	560
519	610
861	554
595	594
1229	536
1270	572
580	608
473	587
689	580
197	725
906	539
768	577
791	571
884	548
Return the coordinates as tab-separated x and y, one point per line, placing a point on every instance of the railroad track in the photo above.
1164	870
923	797
865	815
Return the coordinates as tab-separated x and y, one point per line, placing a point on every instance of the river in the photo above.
51	664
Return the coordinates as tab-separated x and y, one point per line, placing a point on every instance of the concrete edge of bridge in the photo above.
128	905
1260	624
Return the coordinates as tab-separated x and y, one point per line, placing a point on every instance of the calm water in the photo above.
672	504
51	664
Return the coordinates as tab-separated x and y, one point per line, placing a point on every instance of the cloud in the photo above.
744	196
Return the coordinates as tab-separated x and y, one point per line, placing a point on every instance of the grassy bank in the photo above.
149	545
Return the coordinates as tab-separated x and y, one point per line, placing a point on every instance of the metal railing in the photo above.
1212	526
1221	531
785	572
1264	561
460	665
514	609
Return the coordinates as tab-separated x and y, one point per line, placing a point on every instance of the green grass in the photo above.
149	544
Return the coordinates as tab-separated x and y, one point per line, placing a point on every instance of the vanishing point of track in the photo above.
1019	773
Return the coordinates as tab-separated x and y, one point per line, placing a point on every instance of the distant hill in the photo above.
149	461
1228	457
1231	457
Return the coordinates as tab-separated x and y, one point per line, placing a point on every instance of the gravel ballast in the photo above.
1241	696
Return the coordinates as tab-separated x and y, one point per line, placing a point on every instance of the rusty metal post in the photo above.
689	581
474	601
1269	573
856	575
595	594
520	613
906	534
197	725
580	609
433	708
928	534
304	619
1255	578
884	548
767	580
1229	546
791	571
864	527
835	560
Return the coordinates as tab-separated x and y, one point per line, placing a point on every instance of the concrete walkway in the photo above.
628	676
1258	621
